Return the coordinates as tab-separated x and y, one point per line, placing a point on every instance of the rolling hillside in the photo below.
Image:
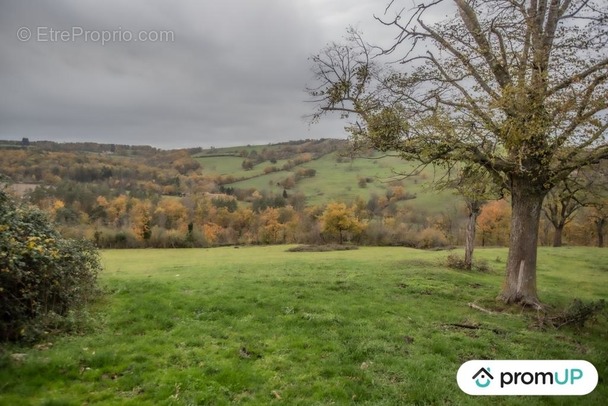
136	197
319	170
133	196
337	176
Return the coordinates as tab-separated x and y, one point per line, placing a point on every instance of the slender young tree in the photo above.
518	87
476	188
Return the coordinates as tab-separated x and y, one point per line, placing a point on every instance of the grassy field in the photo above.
259	325
339	180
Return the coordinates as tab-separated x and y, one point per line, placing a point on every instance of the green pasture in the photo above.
224	165
338	181
262	326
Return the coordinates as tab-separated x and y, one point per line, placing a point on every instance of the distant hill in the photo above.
339	174
319	171
138	196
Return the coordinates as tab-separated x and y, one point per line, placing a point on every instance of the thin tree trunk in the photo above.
557	236
599	223
469	242
520	280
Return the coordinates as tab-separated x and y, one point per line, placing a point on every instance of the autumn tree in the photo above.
338	219
211	231
117	210
242	219
493	223
270	230
171	213
141	218
516	87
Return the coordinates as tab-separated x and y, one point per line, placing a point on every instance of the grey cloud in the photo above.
235	72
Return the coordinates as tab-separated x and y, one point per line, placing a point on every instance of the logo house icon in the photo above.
484	375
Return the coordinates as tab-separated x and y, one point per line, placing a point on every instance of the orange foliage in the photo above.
493	223
211	232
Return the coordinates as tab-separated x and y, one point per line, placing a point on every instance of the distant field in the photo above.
259	325
21	189
335	180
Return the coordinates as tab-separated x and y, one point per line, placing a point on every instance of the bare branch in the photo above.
578	77
470	20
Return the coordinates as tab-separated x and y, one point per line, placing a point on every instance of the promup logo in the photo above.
565	377
483	374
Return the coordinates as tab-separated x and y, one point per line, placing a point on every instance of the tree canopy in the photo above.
518	87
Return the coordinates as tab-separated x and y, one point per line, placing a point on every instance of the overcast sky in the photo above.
203	73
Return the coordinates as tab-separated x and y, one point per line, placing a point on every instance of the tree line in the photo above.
166	200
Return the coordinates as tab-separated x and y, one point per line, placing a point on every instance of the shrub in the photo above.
44	278
112	238
431	238
576	314
455	261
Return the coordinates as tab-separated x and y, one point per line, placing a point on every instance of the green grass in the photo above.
334	181
258	325
224	165
339	181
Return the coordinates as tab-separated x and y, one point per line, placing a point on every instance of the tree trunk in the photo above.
599	223
557	236
520	280
469	241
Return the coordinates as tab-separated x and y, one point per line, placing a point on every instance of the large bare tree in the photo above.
518	87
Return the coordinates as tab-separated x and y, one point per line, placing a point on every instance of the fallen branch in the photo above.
577	314
481	309
476	327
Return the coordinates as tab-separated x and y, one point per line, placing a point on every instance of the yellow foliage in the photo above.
338	219
174	210
58	204
141	218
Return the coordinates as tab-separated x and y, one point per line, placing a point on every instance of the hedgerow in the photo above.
44	278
